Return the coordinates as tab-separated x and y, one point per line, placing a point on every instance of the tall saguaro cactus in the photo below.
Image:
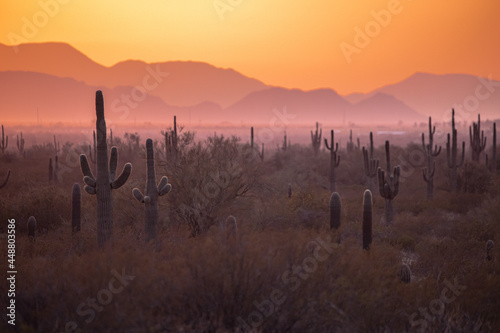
5	141
350	144
76	208
452	153
429	171
370	164
151	194
316	139
388	185
105	181
20	144
334	160
367	219
335	210
477	139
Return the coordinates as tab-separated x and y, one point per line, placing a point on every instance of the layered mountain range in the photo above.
54	82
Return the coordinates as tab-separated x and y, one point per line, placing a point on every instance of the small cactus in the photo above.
334	160
405	273
20	144
261	154
367	219
5	141
388	185
335	210
370	163
151	194
428	172
76	207
452	153
350	144
31	228
477	139
489	249
316	139
231	227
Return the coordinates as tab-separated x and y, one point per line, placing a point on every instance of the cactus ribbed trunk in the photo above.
367	219
432	152
334	159
388	185
335	210
151	207
452	153
103	189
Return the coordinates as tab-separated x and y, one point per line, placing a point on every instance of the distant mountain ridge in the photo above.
61	81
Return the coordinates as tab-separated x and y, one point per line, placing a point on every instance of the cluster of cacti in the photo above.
367	219
452	153
20	144
316	139
105	181
370	164
334	160
335	210
405	273
493	164
171	142
350	144
32	228
432	152
76	208
489	249
5	141
477	139
388	185
151	194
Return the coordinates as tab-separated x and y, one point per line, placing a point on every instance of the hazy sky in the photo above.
291	43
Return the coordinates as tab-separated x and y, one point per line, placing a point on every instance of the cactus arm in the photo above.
5	181
89	181
90	189
164	190
84	165
138	195
122	179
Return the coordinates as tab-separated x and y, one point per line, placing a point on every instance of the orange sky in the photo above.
290	43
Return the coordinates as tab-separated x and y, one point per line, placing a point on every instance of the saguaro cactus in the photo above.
76	208
231	227
92	156
5	141
284	146
31	228
316	139
350	144
370	164
20	144
5	181
251	137
428	172
335	210
405	273
150	196
105	181
261	154
477	139
367	219
388	185
171	142
451	153
334	160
